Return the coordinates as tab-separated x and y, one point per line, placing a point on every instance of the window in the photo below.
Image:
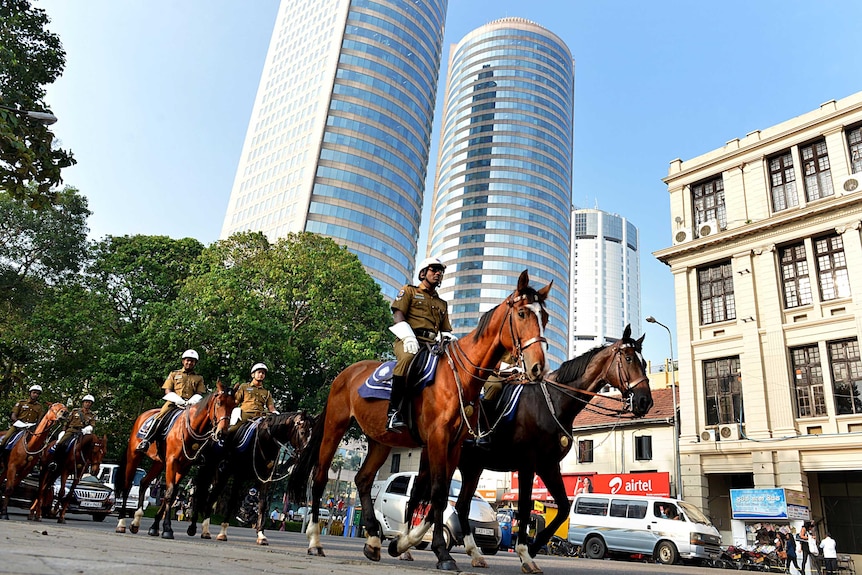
794	276
808	381
818	176
643	447
854	143
629	508
585	451
723	386
832	268
395	467
715	284
592	506
708	201
783	179
846	376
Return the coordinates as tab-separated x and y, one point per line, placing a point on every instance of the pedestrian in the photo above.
252	399
802	537
813	550
789	547
418	314
26	413
182	387
273	518
830	554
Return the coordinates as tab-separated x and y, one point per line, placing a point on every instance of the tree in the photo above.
31	57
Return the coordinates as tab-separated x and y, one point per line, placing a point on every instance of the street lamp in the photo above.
677	465
46	118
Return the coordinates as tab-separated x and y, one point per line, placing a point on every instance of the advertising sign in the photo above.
652	483
758	504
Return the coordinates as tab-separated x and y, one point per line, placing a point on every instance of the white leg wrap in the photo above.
222	536
313	534
415	535
122	523
139	514
261	536
470	547
523	554
205	526
373	542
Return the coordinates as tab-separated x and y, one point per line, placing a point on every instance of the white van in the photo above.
667	529
108	476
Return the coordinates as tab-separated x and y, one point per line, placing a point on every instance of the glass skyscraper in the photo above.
502	200
339	137
606	279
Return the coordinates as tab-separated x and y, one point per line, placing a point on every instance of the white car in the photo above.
299	514
108	476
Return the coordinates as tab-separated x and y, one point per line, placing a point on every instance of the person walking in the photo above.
802	537
788	545
830	554
813	550
418	314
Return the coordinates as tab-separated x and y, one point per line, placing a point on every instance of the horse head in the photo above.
524	326
56	412
220	407
626	371
98	449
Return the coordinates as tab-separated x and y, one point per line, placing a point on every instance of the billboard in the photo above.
648	483
772	503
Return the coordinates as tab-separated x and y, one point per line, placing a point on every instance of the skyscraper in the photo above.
502	199
340	131
606	279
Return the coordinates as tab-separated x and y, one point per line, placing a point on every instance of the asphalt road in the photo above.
83	546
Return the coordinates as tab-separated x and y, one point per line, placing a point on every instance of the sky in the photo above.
157	94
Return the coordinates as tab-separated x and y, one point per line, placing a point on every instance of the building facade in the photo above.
502	198
767	266
605	284
339	136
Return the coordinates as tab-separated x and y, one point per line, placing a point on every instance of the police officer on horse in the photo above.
252	399
26	413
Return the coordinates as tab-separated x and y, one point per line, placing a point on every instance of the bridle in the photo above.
214	421
297	422
59	414
519	346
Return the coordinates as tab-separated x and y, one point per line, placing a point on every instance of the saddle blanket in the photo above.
379	384
145	428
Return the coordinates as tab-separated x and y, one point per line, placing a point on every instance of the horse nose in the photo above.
536	371
644	404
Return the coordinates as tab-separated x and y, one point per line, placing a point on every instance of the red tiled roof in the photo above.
601	410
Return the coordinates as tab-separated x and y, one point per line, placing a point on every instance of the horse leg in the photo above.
553	480
469	482
336	427
439	499
262	514
411	536
233	504
203	487
377	454
525	506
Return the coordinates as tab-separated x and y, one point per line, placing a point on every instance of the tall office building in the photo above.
606	279
339	136
502	200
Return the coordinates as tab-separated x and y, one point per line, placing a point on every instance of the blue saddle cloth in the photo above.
145	428
245	434
14	439
509	401
379	384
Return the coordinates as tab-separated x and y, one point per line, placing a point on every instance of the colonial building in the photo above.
767	264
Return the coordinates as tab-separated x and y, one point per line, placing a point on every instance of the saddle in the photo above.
165	425
14	439
420	374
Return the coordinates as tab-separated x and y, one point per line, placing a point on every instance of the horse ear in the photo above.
640	341
627	334
543	293
523	281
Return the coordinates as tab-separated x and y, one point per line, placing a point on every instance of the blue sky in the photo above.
157	95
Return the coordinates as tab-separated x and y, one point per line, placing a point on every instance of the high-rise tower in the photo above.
502	199
339	136
606	279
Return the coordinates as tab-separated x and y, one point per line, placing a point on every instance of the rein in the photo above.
290	448
34	434
205	437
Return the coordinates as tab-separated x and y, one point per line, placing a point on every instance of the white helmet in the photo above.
427	263
258	366
190	353
35	387
88	397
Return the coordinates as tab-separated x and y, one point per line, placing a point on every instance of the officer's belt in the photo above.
425	334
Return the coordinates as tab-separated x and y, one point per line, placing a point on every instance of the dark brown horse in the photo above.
539	435
27	452
444	413
83	454
192	431
250	454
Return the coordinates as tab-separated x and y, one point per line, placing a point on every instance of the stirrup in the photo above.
394	421
143	445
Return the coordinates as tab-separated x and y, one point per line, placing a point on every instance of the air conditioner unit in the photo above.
708	435
708	228
729	432
682	235
851	184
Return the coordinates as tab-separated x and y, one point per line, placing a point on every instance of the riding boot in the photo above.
394	421
149	437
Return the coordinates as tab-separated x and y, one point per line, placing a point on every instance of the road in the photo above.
83	546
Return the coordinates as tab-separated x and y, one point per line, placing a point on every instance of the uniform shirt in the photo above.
253	400
28	411
423	309
184	383
80	419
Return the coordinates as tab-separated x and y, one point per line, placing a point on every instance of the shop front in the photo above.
757	514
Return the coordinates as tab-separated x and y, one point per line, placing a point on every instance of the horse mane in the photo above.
574	369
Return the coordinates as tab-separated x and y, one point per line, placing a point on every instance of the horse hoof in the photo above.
134	529
530	567
153	532
206	536
61	520
448	565
263	542
168	535
371	553
479	562
220	537
318	551
191	531
406	556
120	530
393	548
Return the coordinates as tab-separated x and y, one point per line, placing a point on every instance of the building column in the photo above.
763	466
695	484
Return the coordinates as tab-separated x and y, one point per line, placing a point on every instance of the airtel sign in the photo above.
657	484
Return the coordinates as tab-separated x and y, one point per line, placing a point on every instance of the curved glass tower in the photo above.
502	200
339	138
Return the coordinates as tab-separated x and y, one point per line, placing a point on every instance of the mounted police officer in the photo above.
252	399
80	421
182	387
26	413
418	314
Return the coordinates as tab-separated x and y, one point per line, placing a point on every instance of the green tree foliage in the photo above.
304	306
31	57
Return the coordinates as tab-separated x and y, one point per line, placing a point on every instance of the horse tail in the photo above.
120	480
298	481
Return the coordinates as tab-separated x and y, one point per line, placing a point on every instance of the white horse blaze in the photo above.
536	308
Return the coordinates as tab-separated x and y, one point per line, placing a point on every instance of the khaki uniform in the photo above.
25	411
183	383
494	384
78	420
253	401
426	313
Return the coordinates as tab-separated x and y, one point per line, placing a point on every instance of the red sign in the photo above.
652	483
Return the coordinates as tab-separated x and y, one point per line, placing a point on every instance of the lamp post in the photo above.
678	469
46	118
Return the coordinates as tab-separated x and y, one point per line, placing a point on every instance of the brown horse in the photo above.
200	425
26	453
539	435
444	413
83	454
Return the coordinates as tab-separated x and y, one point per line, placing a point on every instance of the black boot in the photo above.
394	422
148	438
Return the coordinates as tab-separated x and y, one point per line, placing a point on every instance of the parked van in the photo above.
667	529
108	476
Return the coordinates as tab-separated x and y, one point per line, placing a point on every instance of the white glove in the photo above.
444	335
404	332
235	415
59	437
173	397
87	430
275	412
194	399
21	425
